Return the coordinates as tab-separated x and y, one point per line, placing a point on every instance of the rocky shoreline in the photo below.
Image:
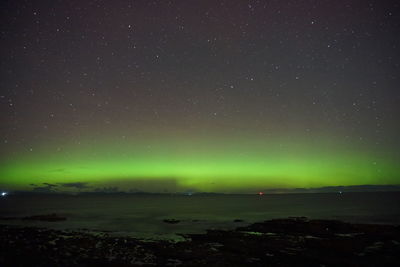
280	242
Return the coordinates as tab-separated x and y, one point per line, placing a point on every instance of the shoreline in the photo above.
284	242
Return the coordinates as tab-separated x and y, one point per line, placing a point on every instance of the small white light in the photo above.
3	194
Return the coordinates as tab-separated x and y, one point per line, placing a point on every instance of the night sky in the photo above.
216	96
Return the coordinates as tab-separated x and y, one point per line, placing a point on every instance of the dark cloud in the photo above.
47	188
111	189
77	185
50	185
139	184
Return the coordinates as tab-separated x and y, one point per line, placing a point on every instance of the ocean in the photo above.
142	215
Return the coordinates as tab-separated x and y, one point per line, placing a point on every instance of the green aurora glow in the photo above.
218	165
211	96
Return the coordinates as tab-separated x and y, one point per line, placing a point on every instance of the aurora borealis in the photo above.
208	167
209	96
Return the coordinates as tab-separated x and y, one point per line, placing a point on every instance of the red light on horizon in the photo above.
260	193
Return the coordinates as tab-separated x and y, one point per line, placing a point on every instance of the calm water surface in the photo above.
143	215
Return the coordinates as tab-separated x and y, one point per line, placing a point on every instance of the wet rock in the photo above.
174	262
171	221
284	242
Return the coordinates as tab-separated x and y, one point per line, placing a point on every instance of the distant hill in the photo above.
326	189
335	189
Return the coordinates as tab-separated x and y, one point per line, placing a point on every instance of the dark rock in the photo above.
47	218
9	218
171	221
283	242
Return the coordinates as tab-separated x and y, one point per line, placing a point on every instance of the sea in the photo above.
143	216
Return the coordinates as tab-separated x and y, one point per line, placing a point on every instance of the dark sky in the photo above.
203	95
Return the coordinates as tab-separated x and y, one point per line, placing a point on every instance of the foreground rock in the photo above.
285	242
